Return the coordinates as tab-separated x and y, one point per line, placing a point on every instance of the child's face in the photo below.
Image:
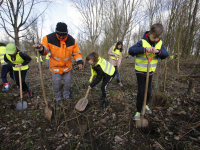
119	46
90	62
153	38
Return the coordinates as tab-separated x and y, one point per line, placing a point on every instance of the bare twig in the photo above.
159	145
191	130
80	129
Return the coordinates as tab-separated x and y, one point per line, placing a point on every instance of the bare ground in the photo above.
172	126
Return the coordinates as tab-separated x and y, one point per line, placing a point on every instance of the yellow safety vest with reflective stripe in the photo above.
173	57
116	52
2	53
48	56
40	59
18	60
107	67
141	61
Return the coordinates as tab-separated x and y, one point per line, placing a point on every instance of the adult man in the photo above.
61	46
5	68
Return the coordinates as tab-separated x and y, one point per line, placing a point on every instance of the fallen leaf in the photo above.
48	130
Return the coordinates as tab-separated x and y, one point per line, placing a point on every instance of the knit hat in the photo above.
61	28
10	48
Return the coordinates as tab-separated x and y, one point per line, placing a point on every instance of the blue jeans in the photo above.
57	85
117	72
38	64
47	63
4	70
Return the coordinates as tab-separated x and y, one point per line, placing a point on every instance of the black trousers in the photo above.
141	79
24	74
4	70
106	80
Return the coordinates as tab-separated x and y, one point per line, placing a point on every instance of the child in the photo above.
41	60
115	53
18	59
150	43
102	69
5	68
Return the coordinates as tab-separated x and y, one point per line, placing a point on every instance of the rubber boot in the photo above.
6	87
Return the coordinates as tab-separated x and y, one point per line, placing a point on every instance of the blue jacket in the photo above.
138	49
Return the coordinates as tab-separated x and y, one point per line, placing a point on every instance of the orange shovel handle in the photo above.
149	58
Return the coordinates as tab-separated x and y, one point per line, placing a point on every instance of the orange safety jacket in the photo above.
61	51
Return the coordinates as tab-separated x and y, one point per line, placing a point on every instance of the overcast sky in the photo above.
62	11
59	11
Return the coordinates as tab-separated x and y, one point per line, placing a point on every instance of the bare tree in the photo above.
92	14
15	14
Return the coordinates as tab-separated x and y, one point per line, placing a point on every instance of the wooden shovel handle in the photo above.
147	83
86	95
41	77
20	82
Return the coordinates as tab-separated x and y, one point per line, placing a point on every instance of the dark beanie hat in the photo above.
61	28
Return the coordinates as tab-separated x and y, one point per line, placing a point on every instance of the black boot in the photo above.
104	104
101	98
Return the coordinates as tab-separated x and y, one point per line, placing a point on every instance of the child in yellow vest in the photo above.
5	68
115	53
41	60
18	59
150	43
102	69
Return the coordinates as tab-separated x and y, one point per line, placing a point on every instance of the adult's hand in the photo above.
80	66
89	87
38	46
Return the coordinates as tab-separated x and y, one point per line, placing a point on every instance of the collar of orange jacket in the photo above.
62	39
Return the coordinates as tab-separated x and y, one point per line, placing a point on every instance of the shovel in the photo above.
120	83
144	122
47	110
23	104
82	103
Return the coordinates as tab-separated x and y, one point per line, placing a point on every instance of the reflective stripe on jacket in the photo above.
141	60
61	51
18	60
107	67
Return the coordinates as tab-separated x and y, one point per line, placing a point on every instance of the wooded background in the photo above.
104	22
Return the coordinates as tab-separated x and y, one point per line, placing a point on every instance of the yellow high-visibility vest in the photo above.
141	61
17	61
116	52
107	67
2	53
48	56
40	59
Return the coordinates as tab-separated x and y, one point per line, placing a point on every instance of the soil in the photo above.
172	125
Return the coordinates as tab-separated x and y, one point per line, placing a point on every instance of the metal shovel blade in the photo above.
48	113
21	105
142	123
81	105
